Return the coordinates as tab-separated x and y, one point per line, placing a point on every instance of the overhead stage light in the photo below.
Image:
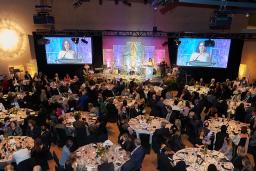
43	41
75	40
177	42
84	40
209	43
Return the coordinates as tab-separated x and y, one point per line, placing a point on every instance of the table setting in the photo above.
63	98
16	114
199	89
147	124
233	104
233	127
181	104
9	145
69	118
198	159
90	156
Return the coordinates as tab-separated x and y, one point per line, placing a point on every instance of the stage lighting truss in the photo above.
173	35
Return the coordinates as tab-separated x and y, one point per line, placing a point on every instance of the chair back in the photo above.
106	167
55	158
61	136
27	165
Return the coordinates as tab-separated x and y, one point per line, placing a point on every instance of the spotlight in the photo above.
84	40
247	15
177	42
78	3
43	41
209	43
75	40
126	2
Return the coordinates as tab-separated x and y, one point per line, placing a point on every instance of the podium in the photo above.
199	63
149	70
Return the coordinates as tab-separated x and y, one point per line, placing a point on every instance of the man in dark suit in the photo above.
138	154
164	158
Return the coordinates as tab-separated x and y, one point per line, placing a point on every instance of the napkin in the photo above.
107	143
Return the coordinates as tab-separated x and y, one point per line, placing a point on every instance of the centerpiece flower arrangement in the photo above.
77	113
13	110
100	150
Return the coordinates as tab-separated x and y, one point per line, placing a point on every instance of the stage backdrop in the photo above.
130	53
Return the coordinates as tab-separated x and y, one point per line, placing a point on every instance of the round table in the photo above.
8	146
63	98
147	125
198	89
233	127
118	102
16	114
233	104
69	119
198	159
181	104
90	156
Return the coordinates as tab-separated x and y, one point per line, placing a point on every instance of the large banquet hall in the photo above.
127	85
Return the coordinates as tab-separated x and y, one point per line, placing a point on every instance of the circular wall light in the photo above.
9	39
12	40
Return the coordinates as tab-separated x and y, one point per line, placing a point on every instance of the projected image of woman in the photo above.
201	54
66	52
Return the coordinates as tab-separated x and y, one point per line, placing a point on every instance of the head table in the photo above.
9	145
144	124
90	156
198	159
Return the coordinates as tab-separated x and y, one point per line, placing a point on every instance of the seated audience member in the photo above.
237	161
138	154
21	154
40	154
175	142
240	113
180	166
227	148
14	129
212	167
126	142
83	101
252	146
66	152
32	130
247	165
9	167
37	168
220	136
2	108
92	109
244	138
164	156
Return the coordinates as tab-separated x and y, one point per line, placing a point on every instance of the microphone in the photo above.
197	57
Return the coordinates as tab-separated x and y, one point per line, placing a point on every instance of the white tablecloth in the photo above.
147	125
198	160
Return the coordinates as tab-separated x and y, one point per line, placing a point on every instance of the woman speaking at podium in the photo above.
200	55
66	52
